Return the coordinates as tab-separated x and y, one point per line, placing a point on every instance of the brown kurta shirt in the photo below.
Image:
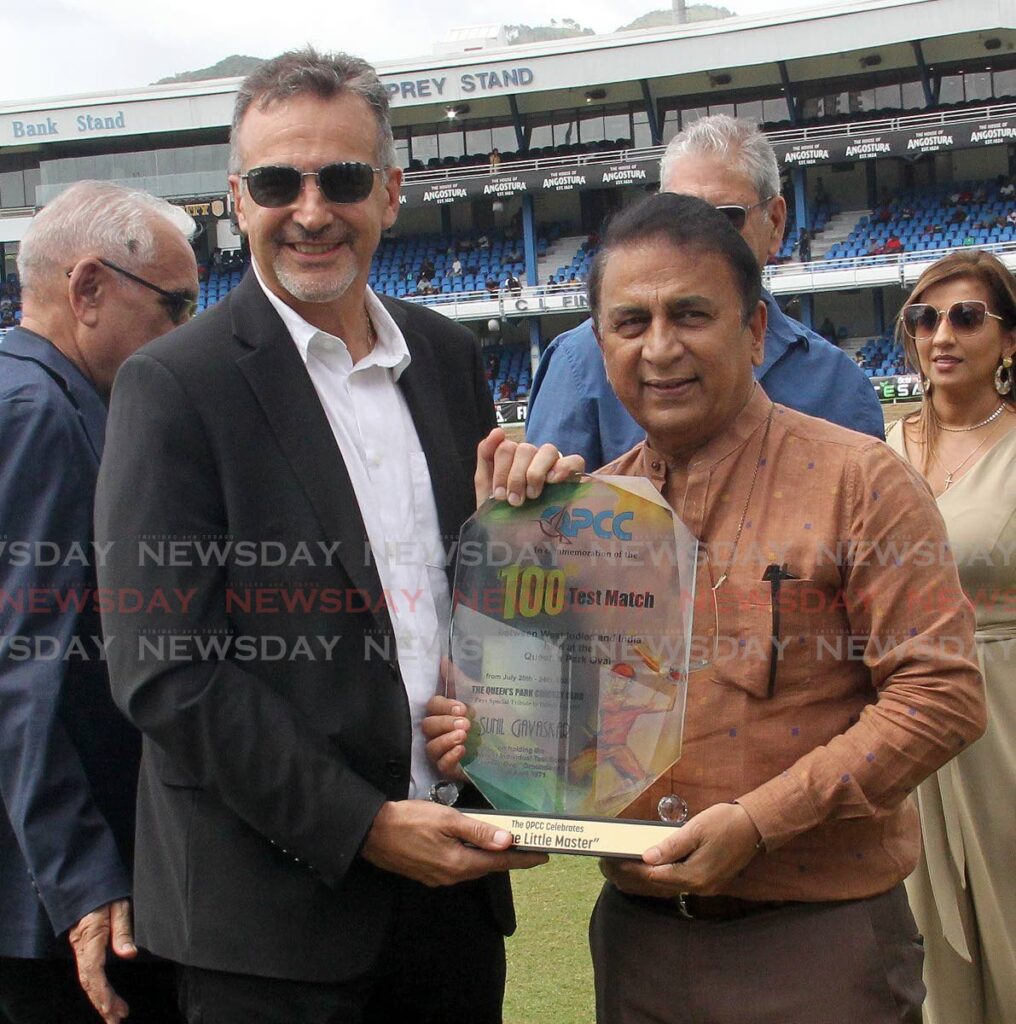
875	681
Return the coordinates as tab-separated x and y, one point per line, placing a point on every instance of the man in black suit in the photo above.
281	478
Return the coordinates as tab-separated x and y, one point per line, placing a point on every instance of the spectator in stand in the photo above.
1010	219
491	285
730	164
954	198
883	216
495	161
1006	189
804	245
828	330
424	287
513	284
483	242
932	229
427	268
876	249
456	267
958	216
907	213
893	245
859	359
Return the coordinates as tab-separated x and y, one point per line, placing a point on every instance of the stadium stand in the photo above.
957	214
874	140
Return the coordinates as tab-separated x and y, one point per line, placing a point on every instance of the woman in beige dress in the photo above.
958	329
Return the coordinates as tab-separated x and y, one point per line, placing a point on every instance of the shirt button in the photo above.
395	770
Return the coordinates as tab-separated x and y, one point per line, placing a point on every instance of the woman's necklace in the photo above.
952	472
962	430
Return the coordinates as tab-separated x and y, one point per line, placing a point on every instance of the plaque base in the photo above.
591	837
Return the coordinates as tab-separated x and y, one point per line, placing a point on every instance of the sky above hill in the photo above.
59	47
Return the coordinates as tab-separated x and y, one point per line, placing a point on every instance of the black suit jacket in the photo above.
275	726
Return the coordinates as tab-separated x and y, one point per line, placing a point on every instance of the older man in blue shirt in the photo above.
104	270
731	165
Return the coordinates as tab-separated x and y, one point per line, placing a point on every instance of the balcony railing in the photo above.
783	136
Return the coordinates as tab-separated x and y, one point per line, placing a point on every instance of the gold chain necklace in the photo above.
952	472
989	419
747	501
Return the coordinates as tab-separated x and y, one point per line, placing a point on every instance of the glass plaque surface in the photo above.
570	637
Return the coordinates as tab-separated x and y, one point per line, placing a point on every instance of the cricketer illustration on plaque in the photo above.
570	637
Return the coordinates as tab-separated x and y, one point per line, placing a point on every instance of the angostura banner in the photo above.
504	185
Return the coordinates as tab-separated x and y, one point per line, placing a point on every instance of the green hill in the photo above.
229	67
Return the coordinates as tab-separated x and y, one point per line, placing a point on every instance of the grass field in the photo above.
550	978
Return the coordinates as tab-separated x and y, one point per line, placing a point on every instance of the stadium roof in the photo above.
836	40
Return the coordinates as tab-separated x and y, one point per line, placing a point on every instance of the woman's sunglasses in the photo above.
347	182
966	318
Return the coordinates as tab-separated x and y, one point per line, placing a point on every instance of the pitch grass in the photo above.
550	977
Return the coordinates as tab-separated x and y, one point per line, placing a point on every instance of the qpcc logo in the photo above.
566	523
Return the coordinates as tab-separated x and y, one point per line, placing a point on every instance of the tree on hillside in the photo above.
693	12
566	28
235	66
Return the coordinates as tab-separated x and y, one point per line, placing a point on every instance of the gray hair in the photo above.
299	72
735	139
95	217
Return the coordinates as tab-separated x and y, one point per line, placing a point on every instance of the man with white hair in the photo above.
731	165
103	270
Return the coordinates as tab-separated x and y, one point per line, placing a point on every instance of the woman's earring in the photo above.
1003	376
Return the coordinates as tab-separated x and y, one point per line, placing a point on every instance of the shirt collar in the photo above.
747	421
22	341
781	333
390	350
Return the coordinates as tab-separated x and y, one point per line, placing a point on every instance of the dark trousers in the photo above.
442	962
849	962
47	992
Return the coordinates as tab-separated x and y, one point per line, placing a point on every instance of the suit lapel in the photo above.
283	389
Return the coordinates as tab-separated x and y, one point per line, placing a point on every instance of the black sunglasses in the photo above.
738	215
180	305
966	318
347	182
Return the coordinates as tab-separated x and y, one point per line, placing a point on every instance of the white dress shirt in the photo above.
388	470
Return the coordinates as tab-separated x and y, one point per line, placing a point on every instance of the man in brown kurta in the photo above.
839	666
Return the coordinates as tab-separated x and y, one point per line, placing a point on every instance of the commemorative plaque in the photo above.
570	636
